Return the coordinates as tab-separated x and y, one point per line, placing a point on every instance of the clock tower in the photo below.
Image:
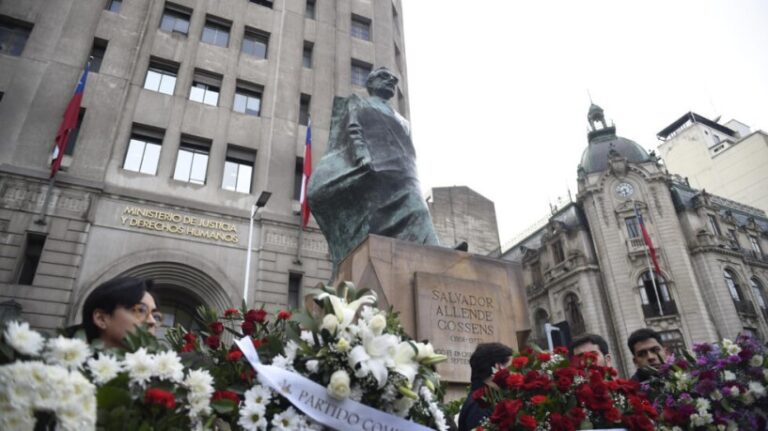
617	179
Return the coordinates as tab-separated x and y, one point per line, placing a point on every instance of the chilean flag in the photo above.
647	240
68	123
305	175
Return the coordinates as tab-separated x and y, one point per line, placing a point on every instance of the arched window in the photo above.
540	317
654	293
178	307
733	285
573	314
759	292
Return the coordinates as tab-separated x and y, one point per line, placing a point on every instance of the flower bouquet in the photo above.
721	388
544	391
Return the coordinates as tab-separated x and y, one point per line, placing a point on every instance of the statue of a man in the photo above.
366	183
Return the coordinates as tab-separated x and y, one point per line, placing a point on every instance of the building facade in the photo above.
191	110
589	265
727	159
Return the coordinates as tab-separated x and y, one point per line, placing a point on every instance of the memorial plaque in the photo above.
456	315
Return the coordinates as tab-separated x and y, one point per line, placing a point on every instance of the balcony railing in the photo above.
652	310
745	307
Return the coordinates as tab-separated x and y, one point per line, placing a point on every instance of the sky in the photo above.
499	89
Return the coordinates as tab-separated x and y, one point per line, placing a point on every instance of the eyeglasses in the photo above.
143	312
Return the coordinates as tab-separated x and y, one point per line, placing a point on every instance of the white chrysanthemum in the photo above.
729	376
756	361
716	395
258	395
356	393
402	406
433	408
199	383
286	421
141	366
757	389
76	416
282	362
199	405
67	352
104	369
168	366
18	419
253	417
699	419
338	387
24	340
309	338
51	385
343	346
703	405
291	347
733	349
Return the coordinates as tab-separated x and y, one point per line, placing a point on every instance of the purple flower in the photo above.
705	387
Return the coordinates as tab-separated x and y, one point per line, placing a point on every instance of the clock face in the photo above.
625	190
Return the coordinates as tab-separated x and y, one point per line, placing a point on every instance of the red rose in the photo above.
505	413
515	380
538	399
577	414
283	315
217	328
258	316
231	312
558	422
160	397
258	342
613	415
213	341
519	362
234	356
187	347
544	356
247	375
500	378
247	327
190	337
560	350
478	394
536	381
225	395
528	422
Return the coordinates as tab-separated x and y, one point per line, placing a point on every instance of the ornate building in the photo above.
588	266
192	108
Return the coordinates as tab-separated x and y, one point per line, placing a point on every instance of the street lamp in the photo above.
261	202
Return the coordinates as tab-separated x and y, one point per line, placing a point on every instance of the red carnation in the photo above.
577	414
258	342
217	328
560	350
613	415
247	327
515	380
187	347
538	399
213	341
234	356
544	356
283	315
258	316
558	422
160	397
190	337
528	422
247	375
225	395
231	312
519	362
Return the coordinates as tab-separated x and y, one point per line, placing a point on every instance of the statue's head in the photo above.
381	82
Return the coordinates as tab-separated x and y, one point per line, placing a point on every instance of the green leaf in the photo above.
223	406
306	320
110	397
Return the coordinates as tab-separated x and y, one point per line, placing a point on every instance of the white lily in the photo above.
405	362
345	312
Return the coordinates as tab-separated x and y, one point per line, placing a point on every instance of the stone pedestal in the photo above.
454	299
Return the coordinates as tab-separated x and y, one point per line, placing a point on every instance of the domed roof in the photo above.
604	140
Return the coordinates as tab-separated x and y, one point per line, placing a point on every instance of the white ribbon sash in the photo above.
314	401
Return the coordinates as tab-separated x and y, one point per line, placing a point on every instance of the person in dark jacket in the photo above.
647	353
486	357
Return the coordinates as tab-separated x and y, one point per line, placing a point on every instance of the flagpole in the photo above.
41	220
650	268
304	186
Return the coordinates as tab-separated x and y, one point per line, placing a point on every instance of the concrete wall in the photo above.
461	214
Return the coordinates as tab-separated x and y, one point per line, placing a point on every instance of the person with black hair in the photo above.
647	353
485	358
591	343
117	306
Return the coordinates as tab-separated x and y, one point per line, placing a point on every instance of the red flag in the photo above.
647	240
68	123
305	176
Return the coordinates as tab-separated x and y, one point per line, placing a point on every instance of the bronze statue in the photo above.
366	183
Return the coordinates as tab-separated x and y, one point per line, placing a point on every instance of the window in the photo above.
733	286
98	50
653	296
294	290
265	3
216	32
255	43
175	19
298	173
557	251
734	237
304	109
361	27
756	246
360	71
248	98
714	225
33	249
13	35
309	11
673	340
161	76
114	5
538	279
205	88
307	54
633	229
70	148
573	314
759	292
192	160
238	169
143	151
